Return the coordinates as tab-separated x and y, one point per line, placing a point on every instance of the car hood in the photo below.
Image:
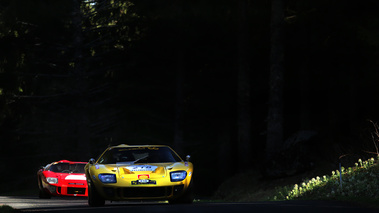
65	176
72	177
159	169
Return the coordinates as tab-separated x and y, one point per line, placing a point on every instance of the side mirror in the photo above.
188	157
92	161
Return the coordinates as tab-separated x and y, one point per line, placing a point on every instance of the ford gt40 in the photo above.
62	178
139	172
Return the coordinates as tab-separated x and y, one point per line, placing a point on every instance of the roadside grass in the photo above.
359	185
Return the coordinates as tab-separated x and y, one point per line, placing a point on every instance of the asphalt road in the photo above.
75	204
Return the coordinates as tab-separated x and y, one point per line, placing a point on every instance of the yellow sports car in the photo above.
135	172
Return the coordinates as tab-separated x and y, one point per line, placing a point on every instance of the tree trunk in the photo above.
178	122
304	93
178	125
80	87
275	111
244	114
304	76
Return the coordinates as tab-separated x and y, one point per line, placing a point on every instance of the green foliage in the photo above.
44	95
361	181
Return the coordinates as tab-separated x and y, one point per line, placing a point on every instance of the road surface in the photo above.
76	204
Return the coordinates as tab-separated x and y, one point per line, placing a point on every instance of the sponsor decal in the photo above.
144	176
139	148
143	182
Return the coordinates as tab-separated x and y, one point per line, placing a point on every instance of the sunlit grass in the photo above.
359	183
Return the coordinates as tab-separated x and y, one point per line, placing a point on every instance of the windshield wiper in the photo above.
141	158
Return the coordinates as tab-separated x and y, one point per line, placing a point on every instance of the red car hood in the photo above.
67	177
72	177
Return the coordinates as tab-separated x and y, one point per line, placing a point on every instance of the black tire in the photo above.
42	194
186	198
94	199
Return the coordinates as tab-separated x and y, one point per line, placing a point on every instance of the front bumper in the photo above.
130	193
67	190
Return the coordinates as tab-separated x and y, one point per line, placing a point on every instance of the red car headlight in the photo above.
52	180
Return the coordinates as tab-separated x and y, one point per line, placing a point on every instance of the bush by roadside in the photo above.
358	184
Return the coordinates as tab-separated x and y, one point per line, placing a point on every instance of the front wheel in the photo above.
43	195
187	197
41	191
94	199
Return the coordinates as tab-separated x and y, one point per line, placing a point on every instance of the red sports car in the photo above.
62	178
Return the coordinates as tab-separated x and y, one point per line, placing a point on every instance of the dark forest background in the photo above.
279	86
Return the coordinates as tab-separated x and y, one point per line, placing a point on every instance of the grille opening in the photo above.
178	189
146	191
72	190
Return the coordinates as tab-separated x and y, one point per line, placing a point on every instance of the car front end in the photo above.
152	181
137	180
63	178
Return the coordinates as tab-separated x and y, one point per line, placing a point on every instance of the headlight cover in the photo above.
178	176
107	178
52	180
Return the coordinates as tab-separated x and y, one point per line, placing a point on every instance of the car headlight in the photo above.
178	176
52	180
107	178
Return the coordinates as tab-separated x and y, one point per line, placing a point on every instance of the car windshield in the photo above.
131	155
67	168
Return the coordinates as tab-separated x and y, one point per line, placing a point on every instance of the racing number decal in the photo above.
140	168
